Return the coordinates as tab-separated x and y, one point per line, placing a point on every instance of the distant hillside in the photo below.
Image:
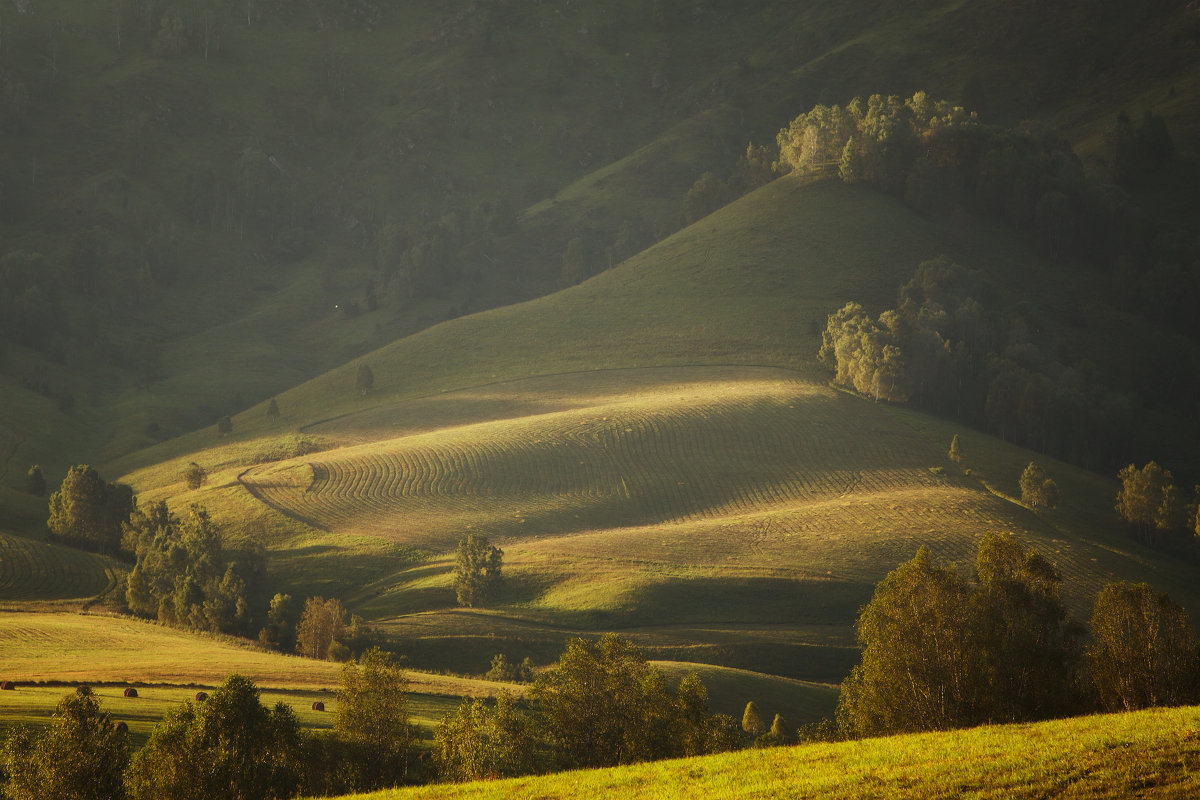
1144	754
656	452
203	204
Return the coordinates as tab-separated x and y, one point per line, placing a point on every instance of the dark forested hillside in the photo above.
204	202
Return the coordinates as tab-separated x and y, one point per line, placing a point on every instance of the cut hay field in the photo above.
39	572
1148	754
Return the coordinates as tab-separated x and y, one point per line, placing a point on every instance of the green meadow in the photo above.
1153	754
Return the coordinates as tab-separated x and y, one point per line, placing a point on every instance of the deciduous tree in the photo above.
1038	490
372	718
476	570
228	746
1143	650
1148	499
322	629
89	511
80	755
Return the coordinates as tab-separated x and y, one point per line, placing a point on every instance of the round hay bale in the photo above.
8	686
131	692
318	705
201	697
120	727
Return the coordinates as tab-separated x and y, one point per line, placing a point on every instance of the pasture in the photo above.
1150	754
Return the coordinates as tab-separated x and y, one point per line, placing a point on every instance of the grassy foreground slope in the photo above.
1149	754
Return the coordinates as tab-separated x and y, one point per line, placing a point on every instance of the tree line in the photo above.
602	704
939	651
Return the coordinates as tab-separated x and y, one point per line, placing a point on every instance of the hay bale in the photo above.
8	686
201	697
318	705
131	692
120	727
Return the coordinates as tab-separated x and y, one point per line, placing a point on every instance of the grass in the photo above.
1152	754
656	453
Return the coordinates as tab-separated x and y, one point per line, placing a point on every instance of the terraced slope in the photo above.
33	571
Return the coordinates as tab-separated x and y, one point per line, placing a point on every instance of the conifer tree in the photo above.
273	410
752	721
955	452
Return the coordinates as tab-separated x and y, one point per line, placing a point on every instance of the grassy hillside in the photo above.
657	454
1153	754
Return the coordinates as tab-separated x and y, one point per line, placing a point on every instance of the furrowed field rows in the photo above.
42	571
685	450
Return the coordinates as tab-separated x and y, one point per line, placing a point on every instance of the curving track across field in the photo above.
590	452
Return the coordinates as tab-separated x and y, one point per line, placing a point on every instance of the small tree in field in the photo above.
35	482
195	475
1038	490
1148	499
955	450
225	425
476	570
752	721
273	411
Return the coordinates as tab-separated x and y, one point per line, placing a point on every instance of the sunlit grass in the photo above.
1146	754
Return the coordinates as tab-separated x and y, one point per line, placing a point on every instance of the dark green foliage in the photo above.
273	410
707	194
80	755
372	720
504	670
229	746
939	653
1143	652
604	705
279	632
955	451
323	629
780	734
1038	490
476	570
183	576
574	264
1148	500
225	425
364	380
88	511
35	482
195	475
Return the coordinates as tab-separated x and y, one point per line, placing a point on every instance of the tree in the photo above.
955	451
364	380
273	411
481	741
322	628
752	721
89	511
195	475
372	717
779	734
80	755
228	746
502	669
1148	499
1027	649
915	666
35	482
182	574
278	632
1037	489
864	355
1143	651
225	425
476	570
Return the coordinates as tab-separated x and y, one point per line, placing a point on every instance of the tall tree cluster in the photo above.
941	652
183	575
88	511
601	705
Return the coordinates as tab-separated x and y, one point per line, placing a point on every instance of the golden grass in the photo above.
78	648
1150	754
